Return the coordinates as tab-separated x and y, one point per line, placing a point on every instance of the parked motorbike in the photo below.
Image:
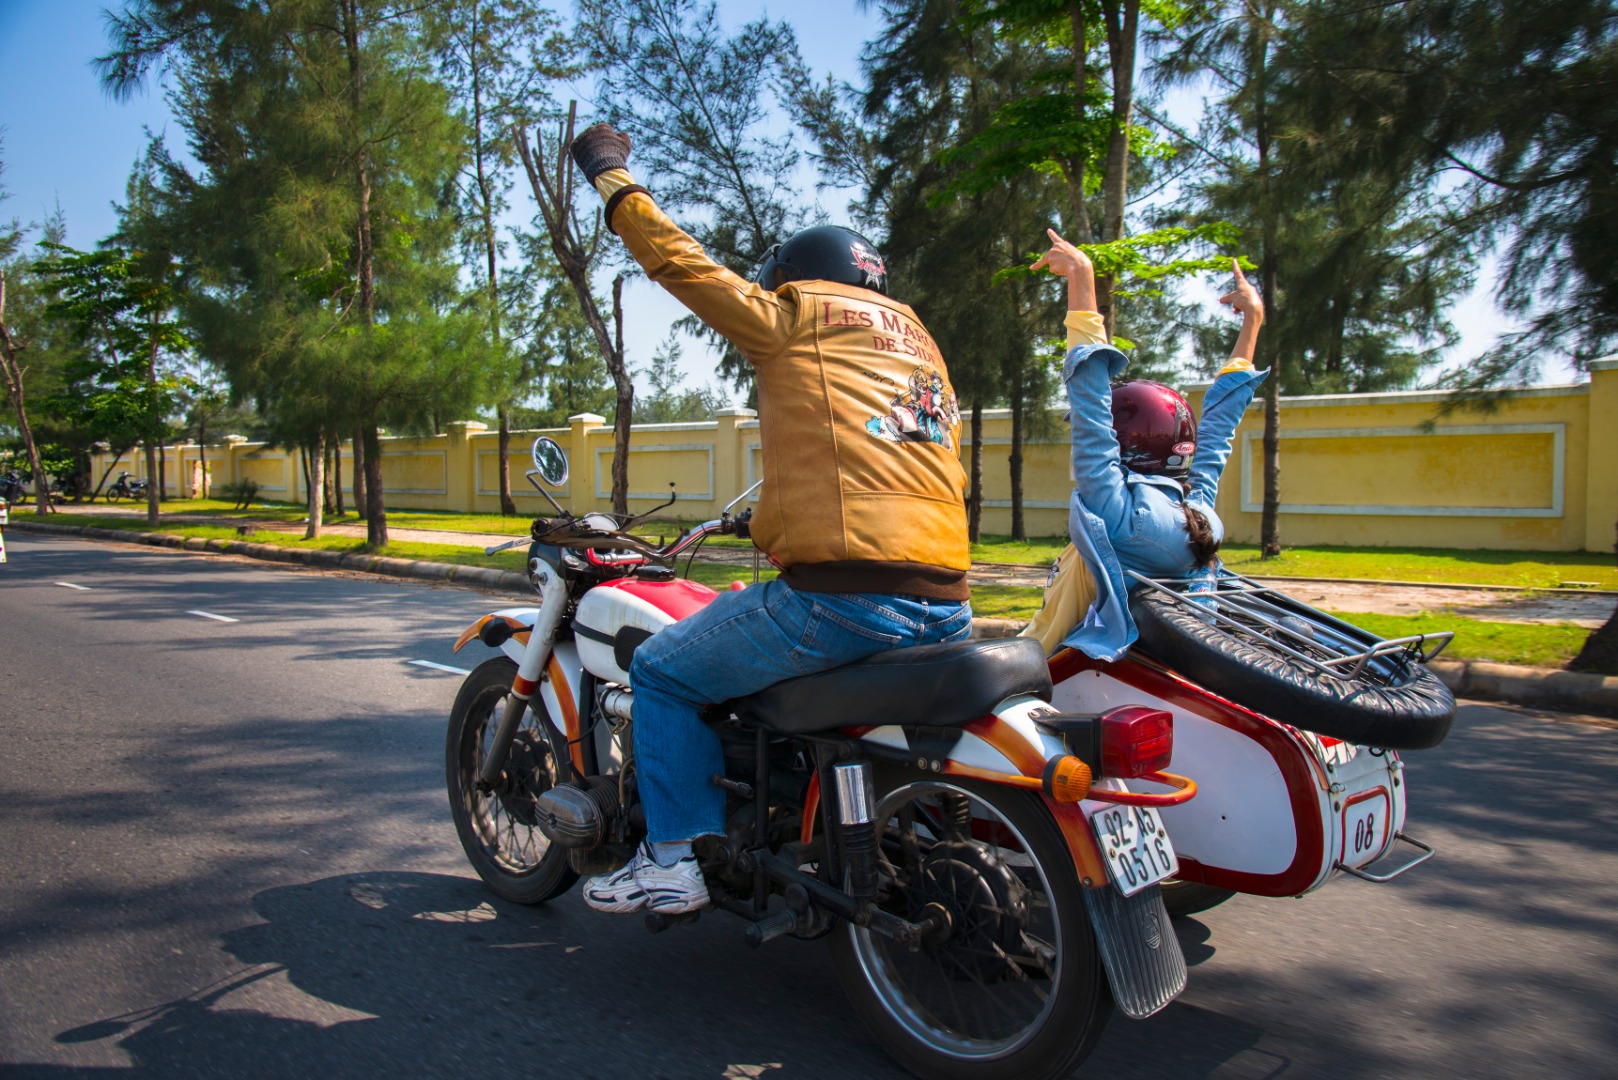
126	487
984	848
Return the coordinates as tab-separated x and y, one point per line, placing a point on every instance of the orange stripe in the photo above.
811	808
570	712
524	688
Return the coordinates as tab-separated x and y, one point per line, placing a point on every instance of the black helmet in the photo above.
824	253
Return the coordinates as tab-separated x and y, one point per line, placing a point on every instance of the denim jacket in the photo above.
1119	518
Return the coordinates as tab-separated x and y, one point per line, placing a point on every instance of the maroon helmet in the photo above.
1156	432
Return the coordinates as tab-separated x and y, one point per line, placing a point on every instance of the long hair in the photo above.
1204	546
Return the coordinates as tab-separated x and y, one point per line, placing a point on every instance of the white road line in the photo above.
439	667
211	615
70	585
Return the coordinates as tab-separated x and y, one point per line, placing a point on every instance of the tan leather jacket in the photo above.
863	486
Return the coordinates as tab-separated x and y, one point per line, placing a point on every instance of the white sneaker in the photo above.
643	884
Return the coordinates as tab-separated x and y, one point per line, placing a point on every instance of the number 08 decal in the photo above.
1365	826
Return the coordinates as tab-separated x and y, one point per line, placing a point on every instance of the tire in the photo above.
512	857
113	495
1017	989
1395	703
1183	898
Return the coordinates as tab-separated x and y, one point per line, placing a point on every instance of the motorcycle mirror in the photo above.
550	460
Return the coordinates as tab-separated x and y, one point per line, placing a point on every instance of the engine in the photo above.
574	816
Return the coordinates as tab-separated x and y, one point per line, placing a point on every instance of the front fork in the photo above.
541	639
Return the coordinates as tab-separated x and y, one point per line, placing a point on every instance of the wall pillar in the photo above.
1601	477
729	456
461	466
581	464
235	447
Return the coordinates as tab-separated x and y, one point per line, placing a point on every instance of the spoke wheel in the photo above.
1011	984
498	829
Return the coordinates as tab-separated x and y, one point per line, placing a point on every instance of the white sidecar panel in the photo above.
1242	817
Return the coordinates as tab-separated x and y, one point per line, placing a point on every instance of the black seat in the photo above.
931	685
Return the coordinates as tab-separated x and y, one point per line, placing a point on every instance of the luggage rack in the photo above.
1244	611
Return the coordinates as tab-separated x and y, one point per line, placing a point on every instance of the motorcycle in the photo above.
126	487
983	837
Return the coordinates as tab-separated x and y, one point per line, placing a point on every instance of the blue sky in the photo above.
66	142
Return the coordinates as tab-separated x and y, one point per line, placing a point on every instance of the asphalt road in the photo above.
224	850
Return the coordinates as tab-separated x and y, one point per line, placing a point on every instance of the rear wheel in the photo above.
498	829
1013	983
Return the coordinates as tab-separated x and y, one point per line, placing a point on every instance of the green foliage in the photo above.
667	403
695	101
120	305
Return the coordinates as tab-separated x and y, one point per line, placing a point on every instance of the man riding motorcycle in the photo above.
863	514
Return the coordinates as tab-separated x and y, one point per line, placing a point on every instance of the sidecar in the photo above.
1291	721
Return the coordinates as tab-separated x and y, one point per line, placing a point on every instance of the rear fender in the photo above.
1005	747
518	623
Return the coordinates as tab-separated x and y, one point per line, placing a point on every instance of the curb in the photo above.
478	577
1537	688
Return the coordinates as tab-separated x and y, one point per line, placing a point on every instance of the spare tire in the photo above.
1396	703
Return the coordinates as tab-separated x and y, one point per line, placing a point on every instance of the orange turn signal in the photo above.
1066	779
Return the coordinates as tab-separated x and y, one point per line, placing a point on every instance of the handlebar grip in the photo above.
744	524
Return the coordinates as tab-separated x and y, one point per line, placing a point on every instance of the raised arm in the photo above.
755	320
1229	396
1098	472
1085	325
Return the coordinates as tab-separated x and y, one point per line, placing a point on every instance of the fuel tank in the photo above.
615	617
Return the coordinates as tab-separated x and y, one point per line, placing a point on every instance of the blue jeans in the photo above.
737	645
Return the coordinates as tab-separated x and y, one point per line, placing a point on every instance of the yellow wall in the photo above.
1538	473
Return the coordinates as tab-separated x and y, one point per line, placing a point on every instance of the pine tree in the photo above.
317	231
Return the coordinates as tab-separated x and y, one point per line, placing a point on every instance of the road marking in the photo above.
211	615
439	667
70	585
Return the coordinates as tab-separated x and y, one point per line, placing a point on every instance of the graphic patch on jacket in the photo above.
926	412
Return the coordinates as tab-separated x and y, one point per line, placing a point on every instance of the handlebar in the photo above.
620	548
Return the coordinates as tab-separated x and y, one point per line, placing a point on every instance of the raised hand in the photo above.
598	148
1243	298
1063	258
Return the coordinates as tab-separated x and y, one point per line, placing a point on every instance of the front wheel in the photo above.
498	829
113	495
1013	984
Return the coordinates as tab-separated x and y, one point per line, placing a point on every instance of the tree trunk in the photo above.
361	506
1270	526
1123	27
337	475
508	505
624	417
376	518
315	455
13	377
974	497
1014	464
151	483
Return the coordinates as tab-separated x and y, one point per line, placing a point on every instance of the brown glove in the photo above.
598	148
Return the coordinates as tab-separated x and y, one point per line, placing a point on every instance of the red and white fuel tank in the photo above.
616	616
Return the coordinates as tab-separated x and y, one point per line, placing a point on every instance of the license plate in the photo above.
1365	826
1135	845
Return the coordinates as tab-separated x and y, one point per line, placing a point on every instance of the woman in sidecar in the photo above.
1145	473
1146	540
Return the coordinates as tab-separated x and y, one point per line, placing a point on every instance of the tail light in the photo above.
1136	741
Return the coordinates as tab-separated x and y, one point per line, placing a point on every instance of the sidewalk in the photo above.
1541	688
1588	608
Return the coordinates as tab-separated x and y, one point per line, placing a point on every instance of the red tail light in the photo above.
1136	741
